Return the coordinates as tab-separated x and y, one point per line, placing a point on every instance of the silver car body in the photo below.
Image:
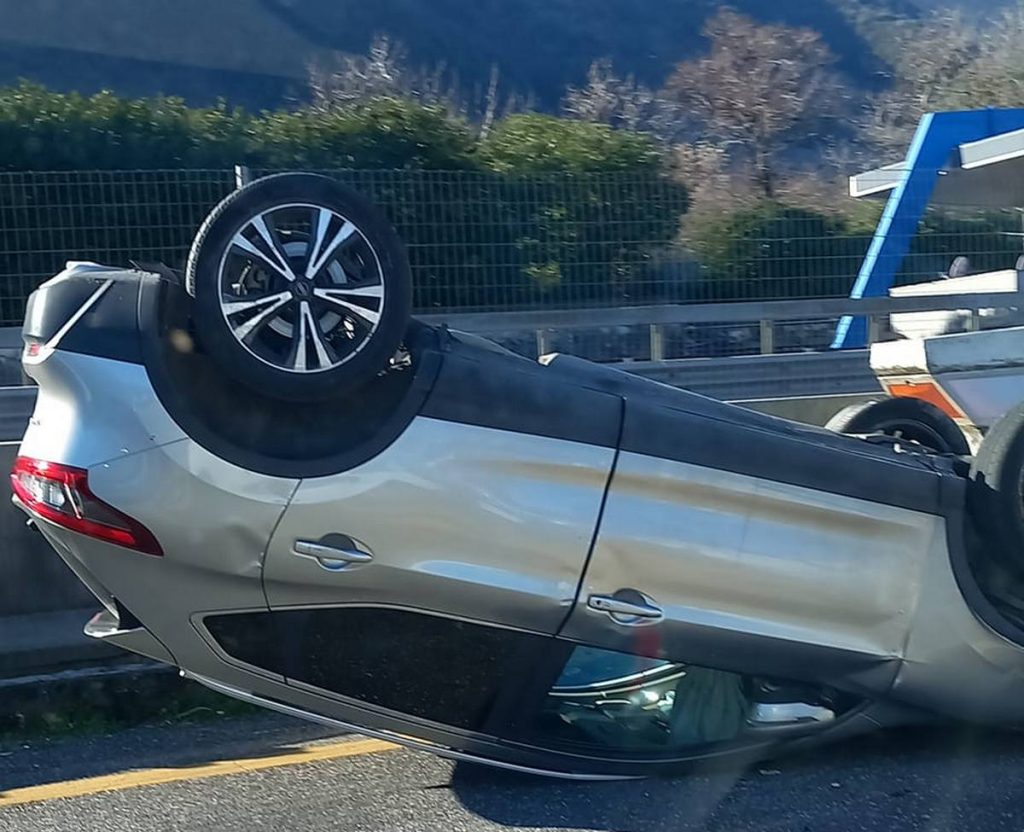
741	566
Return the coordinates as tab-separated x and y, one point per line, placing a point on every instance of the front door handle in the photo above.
332	558
626	607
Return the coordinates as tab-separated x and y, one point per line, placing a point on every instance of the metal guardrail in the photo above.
766	314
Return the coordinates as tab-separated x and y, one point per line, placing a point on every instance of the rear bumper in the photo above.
130	635
114	624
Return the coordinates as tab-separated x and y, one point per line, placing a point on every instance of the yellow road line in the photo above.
156	776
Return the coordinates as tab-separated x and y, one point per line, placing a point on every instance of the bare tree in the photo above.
622	102
760	89
930	59
491	102
349	78
385	71
995	78
609	99
703	168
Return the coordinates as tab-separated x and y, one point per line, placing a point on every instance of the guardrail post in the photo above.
657	342
874	329
767	336
243	176
543	342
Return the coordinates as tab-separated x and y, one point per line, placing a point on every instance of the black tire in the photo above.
995	495
360	343
910	419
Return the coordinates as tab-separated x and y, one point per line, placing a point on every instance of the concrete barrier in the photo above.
11	374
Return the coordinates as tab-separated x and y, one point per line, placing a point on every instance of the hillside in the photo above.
541	45
256	52
976	8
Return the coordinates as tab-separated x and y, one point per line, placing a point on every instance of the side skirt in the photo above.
397	739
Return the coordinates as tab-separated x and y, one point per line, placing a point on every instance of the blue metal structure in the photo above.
934	148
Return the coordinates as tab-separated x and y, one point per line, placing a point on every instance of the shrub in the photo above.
769	251
534	143
44	130
386	133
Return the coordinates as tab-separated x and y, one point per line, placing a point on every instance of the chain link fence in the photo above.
489	242
47	219
476	241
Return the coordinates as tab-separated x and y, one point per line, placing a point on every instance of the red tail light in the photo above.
61	495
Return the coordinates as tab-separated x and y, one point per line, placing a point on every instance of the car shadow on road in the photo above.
948	778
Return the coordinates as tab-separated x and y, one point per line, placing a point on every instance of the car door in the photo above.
747	573
430	567
457	519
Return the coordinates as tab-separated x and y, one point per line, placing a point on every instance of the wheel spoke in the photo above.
276	260
270	239
338	298
244	305
299	339
308	330
319	253
245	329
320	223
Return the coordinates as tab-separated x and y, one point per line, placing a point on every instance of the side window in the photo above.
447	671
623	703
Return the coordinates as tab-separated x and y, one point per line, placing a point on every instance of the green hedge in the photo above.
773	251
50	131
542	210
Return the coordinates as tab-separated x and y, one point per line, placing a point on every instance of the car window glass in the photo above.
627	703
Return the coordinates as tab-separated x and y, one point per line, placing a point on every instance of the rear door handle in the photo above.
626	610
331	558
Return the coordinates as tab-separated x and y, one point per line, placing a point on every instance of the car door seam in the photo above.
600	517
273	534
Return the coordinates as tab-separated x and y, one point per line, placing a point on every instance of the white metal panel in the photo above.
990	151
877	181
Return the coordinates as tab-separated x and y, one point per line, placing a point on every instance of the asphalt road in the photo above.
939	780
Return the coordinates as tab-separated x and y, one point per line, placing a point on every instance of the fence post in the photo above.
767	337
243	176
657	342
543	342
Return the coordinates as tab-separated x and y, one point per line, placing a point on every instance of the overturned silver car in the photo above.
275	479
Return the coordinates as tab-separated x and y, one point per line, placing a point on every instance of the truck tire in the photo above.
910	419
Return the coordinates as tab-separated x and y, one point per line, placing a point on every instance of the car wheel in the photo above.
912	420
302	289
996	488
